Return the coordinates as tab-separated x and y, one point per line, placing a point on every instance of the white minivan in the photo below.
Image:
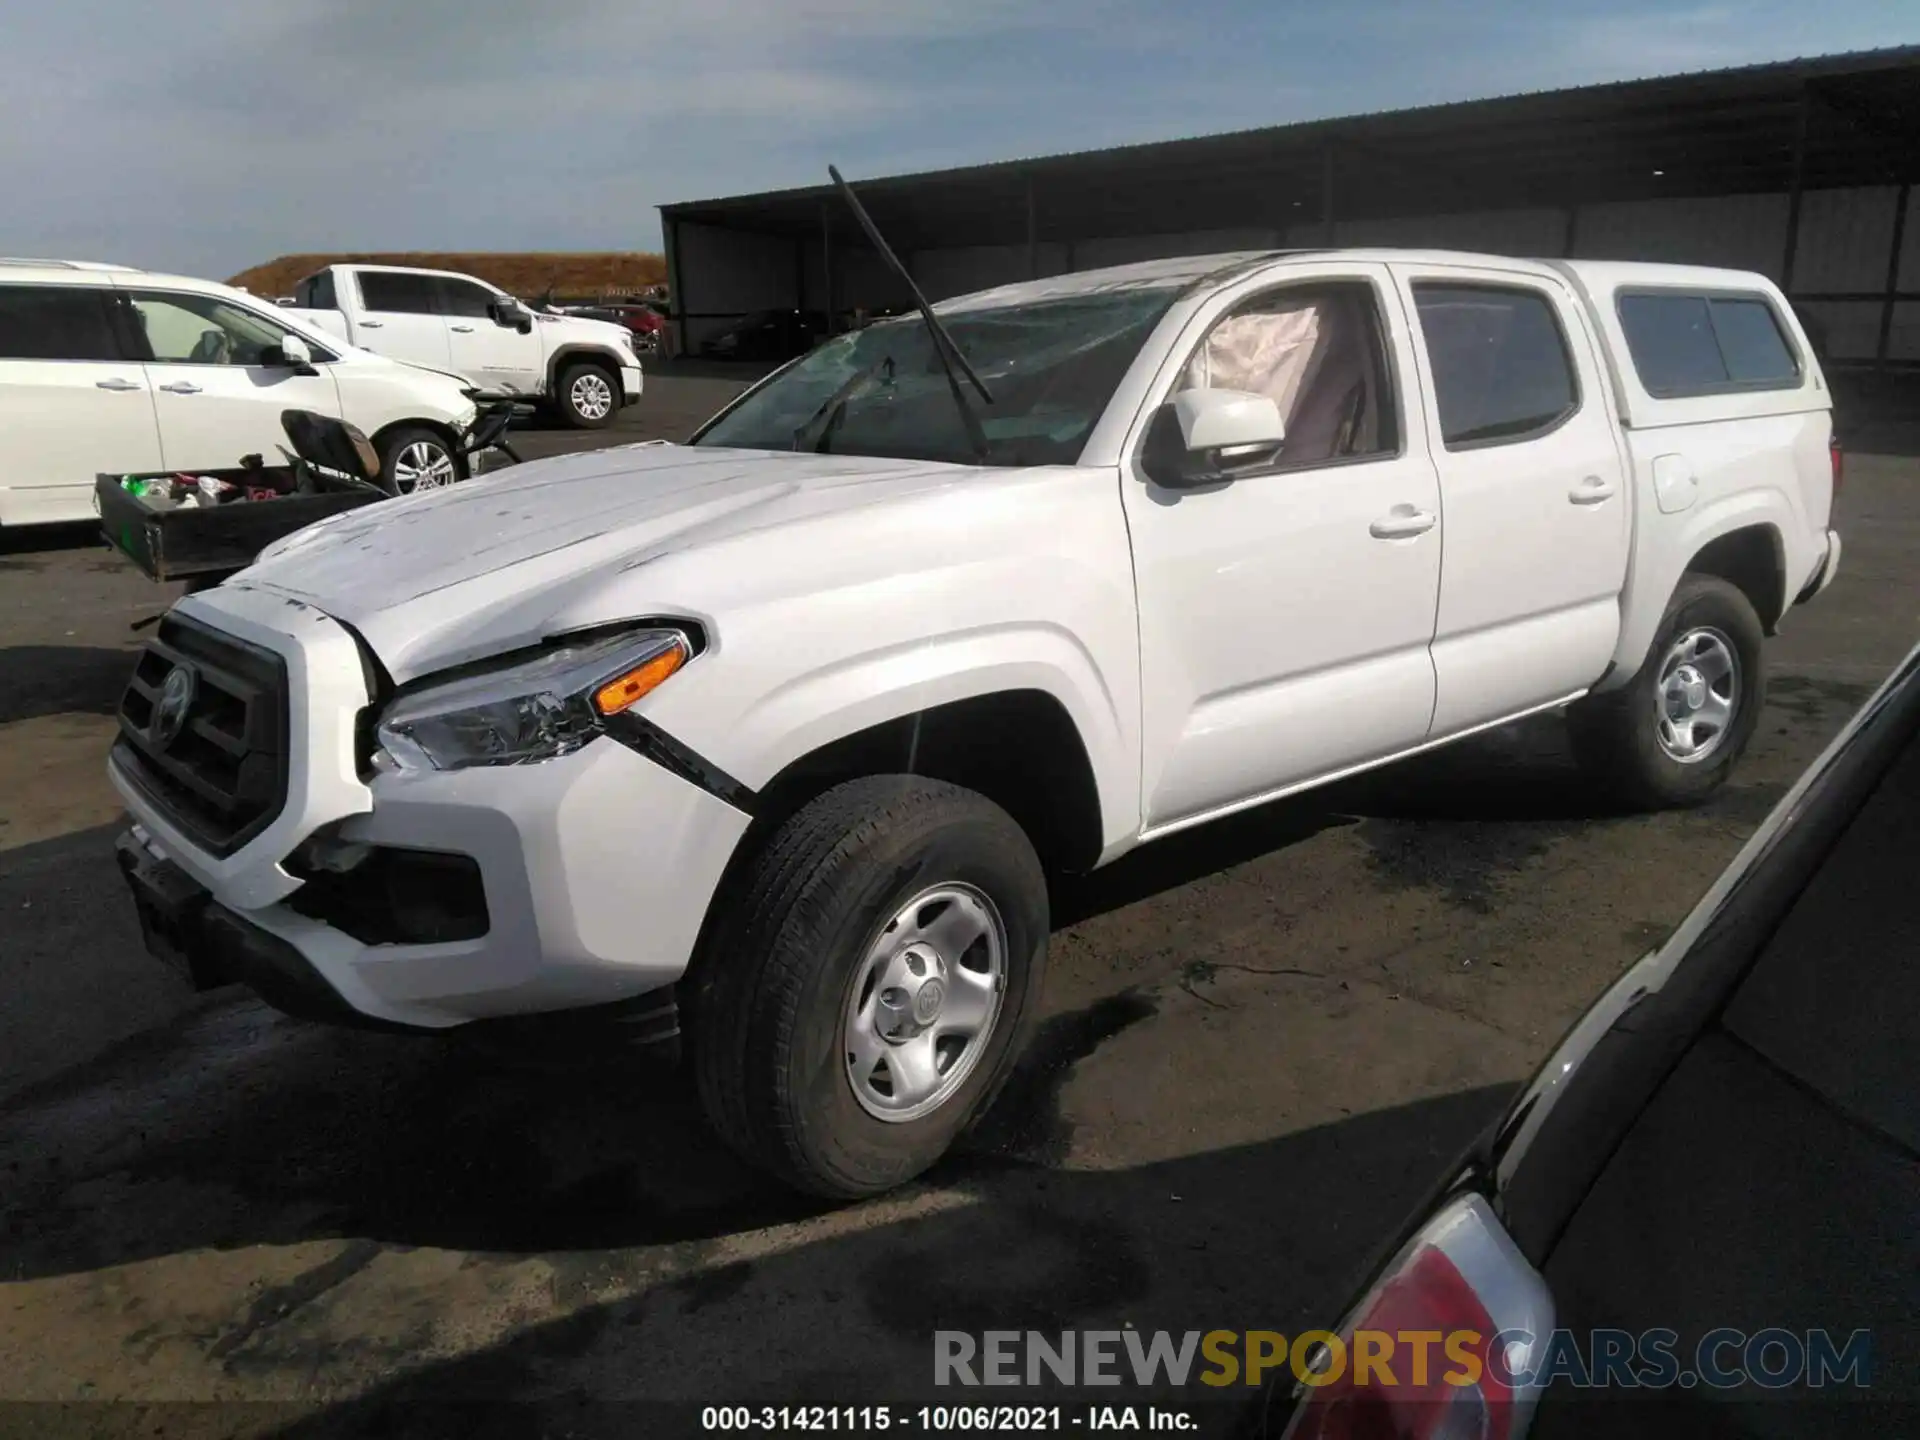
109	370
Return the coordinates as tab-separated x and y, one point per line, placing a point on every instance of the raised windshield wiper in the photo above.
813	435
951	360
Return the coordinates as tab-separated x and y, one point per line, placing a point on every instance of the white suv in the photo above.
109	370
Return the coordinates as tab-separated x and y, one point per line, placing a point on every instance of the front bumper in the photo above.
597	868
632	383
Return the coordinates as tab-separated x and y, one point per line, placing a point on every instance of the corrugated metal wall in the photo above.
1840	264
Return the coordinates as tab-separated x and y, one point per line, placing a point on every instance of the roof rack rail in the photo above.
61	264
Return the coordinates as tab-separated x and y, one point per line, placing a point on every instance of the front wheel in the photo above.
1671	735
588	396
866	989
416	458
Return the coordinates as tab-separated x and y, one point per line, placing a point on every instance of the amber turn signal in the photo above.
625	690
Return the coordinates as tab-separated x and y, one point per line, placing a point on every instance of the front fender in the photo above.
568	354
814	708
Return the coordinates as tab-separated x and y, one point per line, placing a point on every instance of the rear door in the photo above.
71	406
497	358
1533	489
400	318
218	387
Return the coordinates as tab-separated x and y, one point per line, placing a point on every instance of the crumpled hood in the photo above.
426	578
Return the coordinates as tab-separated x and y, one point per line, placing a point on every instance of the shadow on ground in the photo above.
1240	1239
278	1132
37	680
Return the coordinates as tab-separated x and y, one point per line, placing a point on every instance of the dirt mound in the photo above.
578	275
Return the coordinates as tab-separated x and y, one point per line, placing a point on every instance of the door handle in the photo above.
1591	491
1403	522
461	329
370	324
181	387
118	384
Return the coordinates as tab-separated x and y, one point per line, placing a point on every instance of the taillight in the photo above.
1442	1348
1839	464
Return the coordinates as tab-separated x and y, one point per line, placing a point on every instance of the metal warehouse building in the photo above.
1802	170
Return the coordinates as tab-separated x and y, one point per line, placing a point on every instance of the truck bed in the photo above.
179	544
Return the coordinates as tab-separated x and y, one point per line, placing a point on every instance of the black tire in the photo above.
403	446
573	389
768	997
1617	735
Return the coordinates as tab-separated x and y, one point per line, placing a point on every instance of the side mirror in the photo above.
1228	419
1204	437
512	315
294	354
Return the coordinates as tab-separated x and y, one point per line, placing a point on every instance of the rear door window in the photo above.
56	322
1501	370
397	294
1687	343
1750	339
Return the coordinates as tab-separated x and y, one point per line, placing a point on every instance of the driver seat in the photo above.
214	347
330	450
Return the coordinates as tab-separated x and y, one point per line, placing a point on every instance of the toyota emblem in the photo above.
170	710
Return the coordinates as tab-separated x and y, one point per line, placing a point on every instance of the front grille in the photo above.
218	771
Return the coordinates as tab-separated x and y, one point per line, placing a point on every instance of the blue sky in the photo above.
207	135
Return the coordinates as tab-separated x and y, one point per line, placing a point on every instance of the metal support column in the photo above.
1902	203
676	287
1793	189
1033	235
828	300
1326	194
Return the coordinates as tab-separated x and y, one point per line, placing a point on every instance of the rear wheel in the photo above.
588	396
867	987
1672	734
416	458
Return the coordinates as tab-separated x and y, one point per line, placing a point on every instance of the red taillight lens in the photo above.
1440	1348
1839	464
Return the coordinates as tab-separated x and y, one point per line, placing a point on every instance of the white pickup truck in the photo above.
777	735
584	370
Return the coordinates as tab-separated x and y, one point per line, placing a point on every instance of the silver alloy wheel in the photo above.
590	395
1698	695
423	465
922	1006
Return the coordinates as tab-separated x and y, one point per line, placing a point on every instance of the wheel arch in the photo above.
1018	747
578	352
444	431
1742	541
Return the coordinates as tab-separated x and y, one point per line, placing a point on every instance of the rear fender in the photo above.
1661	559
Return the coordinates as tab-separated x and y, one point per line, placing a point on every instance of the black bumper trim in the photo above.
216	946
1812	587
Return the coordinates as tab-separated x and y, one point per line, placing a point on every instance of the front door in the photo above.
1285	615
217	387
399	317
1533	479
496	358
71	406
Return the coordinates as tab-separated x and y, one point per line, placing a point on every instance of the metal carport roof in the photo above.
1840	120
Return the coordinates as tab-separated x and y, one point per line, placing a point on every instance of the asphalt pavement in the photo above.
1262	1042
